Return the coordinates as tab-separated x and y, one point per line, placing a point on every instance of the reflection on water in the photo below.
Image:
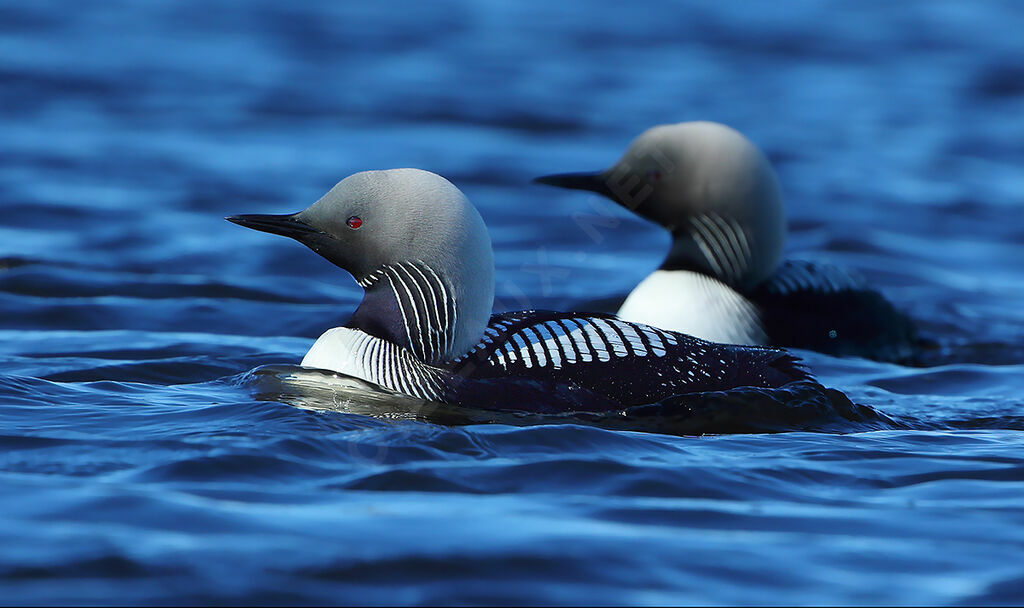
796	406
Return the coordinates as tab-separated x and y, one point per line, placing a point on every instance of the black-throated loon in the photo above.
724	278
424	328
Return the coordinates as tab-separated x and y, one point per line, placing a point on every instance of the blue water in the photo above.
143	461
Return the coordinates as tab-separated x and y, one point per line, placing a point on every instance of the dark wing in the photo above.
610	359
794	276
827	309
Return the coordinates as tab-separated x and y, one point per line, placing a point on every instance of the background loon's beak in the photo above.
285	225
594	182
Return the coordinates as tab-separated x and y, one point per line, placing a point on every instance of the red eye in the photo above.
654	175
354	222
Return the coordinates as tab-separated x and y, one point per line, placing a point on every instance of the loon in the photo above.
724	278
422	254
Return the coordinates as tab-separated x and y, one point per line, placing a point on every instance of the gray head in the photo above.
708	185
417	246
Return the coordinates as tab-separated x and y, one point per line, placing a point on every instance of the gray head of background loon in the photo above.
424	328
710	187
724	278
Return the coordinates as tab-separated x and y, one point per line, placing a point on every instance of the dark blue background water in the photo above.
140	463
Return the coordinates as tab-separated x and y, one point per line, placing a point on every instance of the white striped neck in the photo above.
696	304
412	306
380	361
723	248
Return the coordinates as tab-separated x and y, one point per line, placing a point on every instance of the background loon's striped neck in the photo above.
410	304
715	246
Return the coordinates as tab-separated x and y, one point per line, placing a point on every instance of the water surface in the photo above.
144	462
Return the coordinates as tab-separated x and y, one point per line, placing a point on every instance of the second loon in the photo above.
724	278
424	328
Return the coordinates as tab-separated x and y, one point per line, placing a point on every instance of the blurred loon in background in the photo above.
724	278
424	328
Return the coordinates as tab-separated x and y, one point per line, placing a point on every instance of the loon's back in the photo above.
826	309
598	362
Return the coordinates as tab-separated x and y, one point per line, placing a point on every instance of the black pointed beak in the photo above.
285	225
594	182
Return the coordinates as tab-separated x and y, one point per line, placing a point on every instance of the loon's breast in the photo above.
696	304
356	353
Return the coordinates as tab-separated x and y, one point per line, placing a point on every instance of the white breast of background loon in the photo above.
696	304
